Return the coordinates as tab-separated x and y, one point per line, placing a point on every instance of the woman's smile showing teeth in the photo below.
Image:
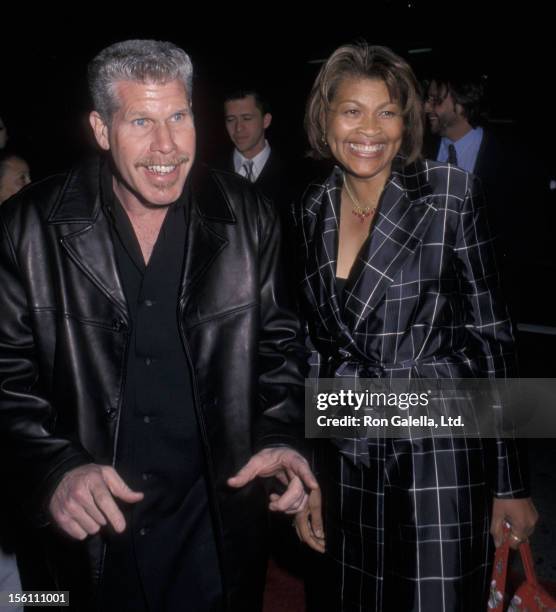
366	149
364	128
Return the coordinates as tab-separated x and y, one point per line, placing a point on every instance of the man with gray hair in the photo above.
147	353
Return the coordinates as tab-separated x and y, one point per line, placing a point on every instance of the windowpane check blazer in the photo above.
423	298
410	531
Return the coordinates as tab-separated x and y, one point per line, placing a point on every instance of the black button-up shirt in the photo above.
168	549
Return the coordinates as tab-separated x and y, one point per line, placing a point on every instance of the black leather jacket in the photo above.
63	341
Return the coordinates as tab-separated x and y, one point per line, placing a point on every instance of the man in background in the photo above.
14	174
247	117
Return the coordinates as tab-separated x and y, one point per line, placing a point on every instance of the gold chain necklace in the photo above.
361	212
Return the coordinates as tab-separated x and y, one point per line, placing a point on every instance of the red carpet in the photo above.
283	592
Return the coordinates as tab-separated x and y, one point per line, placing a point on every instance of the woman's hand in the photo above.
308	522
522	516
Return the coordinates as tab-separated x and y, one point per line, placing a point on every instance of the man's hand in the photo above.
522	516
308	522
83	502
289	467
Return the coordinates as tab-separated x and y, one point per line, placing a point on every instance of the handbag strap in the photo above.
528	564
526	557
500	569
499	575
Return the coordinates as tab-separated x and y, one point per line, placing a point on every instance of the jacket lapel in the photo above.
322	252
320	226
86	236
404	215
85	232
208	208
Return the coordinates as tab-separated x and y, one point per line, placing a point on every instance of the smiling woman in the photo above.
364	128
398	279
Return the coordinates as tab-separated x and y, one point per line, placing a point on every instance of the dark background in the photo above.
44	100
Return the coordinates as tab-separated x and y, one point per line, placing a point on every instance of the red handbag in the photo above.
530	596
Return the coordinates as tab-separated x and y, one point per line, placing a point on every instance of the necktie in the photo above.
452	155
248	170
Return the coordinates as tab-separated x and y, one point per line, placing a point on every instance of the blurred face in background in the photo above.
246	125
440	109
14	175
3	134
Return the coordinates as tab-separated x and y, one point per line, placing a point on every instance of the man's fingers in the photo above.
93	511
289	506
275	462
84	500
80	516
247	473
104	500
292	500
301	468
119	488
78	503
281	476
294	508
104	497
71	527
72	505
264	463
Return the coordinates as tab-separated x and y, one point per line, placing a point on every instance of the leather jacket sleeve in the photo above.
27	418
282	354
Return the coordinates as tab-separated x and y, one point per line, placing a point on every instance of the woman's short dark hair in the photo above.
371	62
